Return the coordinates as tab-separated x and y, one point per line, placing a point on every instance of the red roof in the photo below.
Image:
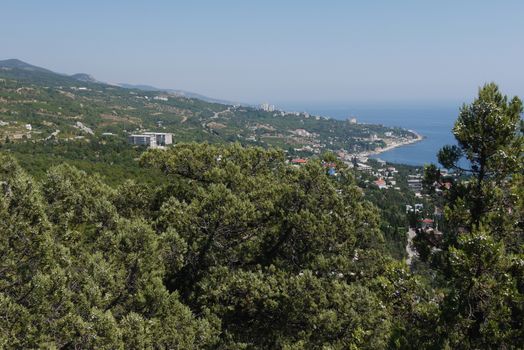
380	182
426	221
299	161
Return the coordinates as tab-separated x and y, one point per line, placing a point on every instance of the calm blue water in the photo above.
434	123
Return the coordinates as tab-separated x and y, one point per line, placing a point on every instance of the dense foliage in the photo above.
237	249
234	248
480	256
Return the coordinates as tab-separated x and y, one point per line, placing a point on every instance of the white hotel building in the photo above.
151	139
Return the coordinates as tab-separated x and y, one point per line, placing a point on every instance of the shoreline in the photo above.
392	146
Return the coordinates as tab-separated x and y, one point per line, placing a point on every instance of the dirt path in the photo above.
409	247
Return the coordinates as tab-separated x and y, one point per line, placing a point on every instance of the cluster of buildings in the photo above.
386	178
151	139
417	208
161	98
303	133
267	107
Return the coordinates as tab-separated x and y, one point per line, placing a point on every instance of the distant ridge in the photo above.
14	63
84	77
180	93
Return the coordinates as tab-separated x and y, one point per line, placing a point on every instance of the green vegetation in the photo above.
479	258
231	238
111	158
219	245
54	104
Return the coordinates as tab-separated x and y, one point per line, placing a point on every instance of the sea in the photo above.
433	122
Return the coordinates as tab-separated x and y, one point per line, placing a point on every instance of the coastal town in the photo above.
65	112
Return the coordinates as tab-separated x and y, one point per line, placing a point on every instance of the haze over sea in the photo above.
432	122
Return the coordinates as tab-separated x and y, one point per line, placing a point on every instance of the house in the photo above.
364	167
381	183
426	224
329	165
299	161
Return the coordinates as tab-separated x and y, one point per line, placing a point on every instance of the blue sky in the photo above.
309	52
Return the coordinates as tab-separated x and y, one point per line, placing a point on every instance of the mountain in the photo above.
14	63
25	72
87	78
182	93
84	77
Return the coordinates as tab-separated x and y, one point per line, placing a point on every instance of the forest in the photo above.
231	247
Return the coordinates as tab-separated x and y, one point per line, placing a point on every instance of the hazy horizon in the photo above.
292	53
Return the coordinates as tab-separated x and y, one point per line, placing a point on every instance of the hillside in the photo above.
55	104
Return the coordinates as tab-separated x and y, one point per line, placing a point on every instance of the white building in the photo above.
267	107
142	140
364	167
151	139
302	132
162	138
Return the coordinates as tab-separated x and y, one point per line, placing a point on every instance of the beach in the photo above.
392	145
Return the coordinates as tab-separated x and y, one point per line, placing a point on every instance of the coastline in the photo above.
393	145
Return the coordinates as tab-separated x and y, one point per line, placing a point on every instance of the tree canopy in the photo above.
235	248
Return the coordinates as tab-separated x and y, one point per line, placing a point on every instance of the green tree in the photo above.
268	309
477	258
74	274
487	133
